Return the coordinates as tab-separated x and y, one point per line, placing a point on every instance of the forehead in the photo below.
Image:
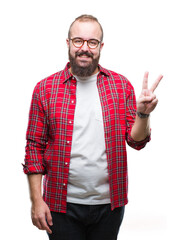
86	30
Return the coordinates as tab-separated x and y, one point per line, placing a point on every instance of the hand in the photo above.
40	212
147	101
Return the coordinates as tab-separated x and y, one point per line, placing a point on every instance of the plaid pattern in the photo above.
50	128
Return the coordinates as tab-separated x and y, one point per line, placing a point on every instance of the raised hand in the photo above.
147	101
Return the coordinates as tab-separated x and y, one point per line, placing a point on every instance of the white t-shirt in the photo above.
88	181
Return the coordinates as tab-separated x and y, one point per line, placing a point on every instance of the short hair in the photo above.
86	18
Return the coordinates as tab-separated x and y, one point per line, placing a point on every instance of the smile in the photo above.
83	56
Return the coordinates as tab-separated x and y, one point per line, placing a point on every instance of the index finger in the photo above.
145	81
45	226
155	84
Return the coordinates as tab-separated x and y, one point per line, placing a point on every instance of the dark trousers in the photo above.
87	222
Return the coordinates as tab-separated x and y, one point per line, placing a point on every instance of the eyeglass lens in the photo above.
78	42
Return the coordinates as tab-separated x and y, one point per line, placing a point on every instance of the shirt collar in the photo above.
103	71
66	74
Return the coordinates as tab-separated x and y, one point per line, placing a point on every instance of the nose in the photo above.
85	46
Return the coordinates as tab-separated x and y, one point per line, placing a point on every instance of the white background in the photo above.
139	36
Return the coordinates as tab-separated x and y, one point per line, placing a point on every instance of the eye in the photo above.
77	41
93	42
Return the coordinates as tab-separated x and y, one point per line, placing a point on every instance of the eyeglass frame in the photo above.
85	41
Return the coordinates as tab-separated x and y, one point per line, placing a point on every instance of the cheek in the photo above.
96	53
72	52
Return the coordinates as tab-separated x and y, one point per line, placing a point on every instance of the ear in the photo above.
68	42
101	46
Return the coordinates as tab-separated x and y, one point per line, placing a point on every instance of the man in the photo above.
79	121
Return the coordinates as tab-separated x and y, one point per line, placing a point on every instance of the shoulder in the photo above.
54	80
50	80
46	86
117	78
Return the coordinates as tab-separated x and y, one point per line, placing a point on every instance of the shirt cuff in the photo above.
37	168
138	144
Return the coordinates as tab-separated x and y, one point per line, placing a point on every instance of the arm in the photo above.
39	211
145	105
140	129
34	165
36	136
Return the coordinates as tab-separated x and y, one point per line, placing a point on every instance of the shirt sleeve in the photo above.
131	110
36	136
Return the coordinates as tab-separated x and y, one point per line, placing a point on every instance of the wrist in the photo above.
142	115
36	199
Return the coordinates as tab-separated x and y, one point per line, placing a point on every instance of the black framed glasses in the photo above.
79	42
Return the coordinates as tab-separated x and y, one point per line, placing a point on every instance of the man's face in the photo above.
84	60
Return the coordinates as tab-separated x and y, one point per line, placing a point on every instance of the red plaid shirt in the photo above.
50	129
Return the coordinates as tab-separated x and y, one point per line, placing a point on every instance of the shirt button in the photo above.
68	142
64	184
70	122
66	163
72	101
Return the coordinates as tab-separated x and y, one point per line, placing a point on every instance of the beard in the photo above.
83	71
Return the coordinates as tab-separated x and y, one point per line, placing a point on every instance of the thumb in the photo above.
49	218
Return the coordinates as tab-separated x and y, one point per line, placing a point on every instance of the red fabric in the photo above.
50	128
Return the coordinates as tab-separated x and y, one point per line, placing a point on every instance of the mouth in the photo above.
83	58
84	55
